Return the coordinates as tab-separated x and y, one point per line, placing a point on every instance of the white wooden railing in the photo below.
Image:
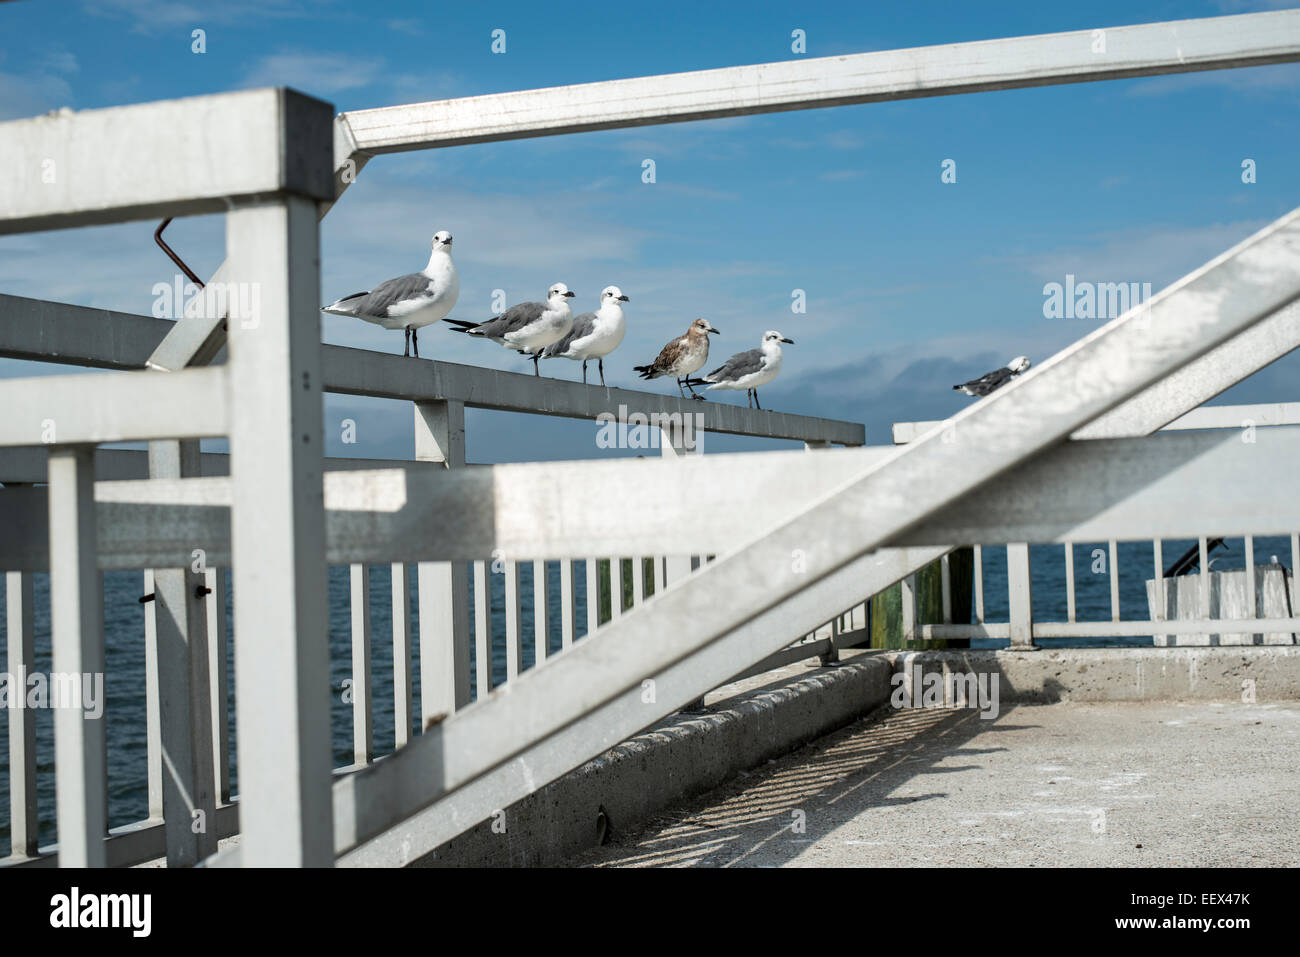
1067	452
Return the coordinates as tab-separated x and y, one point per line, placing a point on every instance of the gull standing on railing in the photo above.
682	356
996	379
594	334
528	327
748	370
408	302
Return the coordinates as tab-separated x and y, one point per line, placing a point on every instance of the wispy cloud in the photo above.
1277	79
156	16
321	73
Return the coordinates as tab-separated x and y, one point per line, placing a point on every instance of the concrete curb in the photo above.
755	720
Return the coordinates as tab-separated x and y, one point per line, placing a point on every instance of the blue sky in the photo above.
912	284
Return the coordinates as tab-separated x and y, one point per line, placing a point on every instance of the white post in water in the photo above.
443	586
277	526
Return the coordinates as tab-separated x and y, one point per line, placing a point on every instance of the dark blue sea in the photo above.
125	677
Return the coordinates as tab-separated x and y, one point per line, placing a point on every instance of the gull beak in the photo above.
570	294
624	299
714	332
791	341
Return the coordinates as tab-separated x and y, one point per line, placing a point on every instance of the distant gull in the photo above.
408	302
528	327
996	379
682	356
594	334
749	370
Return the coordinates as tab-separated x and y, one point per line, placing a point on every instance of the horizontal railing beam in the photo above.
56	332
170	158
1012	63
1121	489
122	407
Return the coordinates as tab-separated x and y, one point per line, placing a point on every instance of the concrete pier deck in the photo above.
1110	783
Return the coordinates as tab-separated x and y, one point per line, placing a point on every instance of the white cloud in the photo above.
314	73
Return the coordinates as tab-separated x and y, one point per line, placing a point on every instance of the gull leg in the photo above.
415	342
601	364
584	371
749	397
756	405
407	350
536	371
679	388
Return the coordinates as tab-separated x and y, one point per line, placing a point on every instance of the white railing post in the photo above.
443	586
363	729
568	605
218	683
593	595
908	601
77	633
152	705
1020	598
674	443
541	614
180	616
514	622
20	638
277	524
482	630
401	598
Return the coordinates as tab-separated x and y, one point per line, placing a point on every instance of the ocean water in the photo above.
125	651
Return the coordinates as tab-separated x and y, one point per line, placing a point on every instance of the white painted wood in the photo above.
909	617
1252	607
1158	576
218	677
568	605
1295	572
363	726
20	656
979	584
127	407
541	613
185	684
1020	596
801	83
1205	578
514	622
278	541
482	630
153	707
1069	581
945	587
593	595
638	580
1113	565
443	586
77	636
402	696
615	588
156	159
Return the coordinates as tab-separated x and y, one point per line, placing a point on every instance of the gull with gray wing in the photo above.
408	302
594	334
529	327
748	370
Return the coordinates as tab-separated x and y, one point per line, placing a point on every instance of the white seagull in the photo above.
682	356
748	370
528	327
594	334
996	379
408	302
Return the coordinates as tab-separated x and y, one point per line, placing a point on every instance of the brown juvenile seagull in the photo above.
682	356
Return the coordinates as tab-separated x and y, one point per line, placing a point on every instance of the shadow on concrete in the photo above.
784	806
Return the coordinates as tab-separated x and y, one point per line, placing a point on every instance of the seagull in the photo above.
408	302
749	370
594	334
529	327
682	356
996	379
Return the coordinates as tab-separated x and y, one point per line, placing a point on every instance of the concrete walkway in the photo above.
1108	784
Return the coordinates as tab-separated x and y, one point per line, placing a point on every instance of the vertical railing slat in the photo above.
1069	582
593	595
482	630
1158	563
402	697
1252	606
568	605
1020	596
219	679
20	638
363	731
541	614
1205	579
978	557
152	704
514	623
945	587
1114	580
